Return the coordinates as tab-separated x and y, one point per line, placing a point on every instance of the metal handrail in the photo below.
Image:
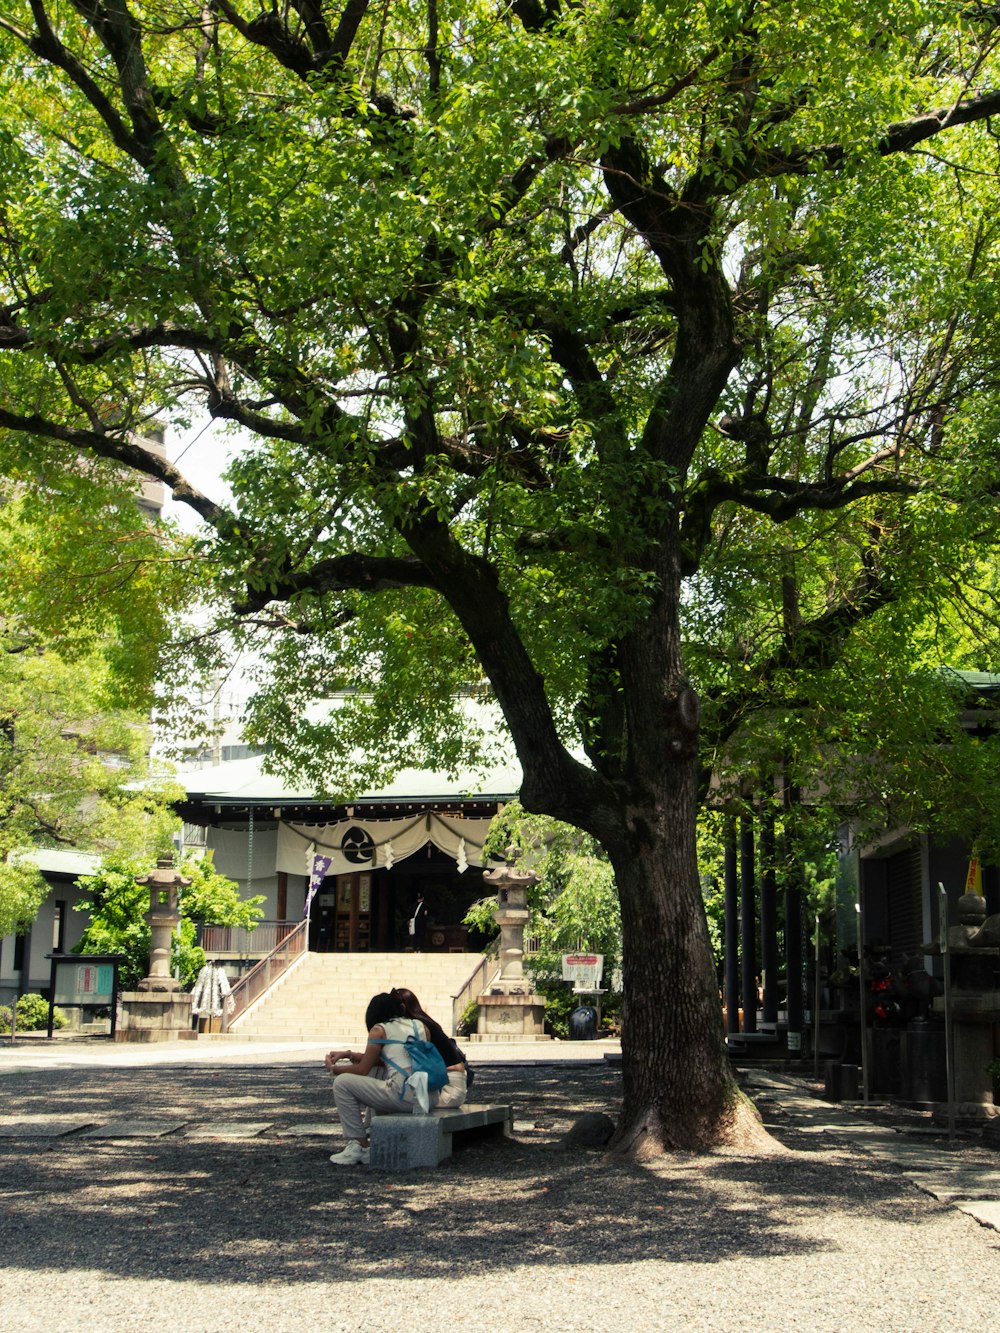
264	974
243	940
474	987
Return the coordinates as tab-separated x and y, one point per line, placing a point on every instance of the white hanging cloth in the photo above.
211	991
359	844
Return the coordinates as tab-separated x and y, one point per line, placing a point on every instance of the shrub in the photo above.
32	1014
469	1020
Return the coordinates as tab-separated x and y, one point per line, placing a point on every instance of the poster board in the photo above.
85	983
583	969
79	981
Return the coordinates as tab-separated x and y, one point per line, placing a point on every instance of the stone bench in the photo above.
399	1142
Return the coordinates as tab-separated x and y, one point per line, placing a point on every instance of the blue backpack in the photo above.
425	1059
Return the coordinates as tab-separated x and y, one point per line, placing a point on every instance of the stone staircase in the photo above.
323	997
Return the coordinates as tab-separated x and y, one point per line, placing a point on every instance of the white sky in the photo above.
202	454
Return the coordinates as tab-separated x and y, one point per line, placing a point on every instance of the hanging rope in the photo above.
250	855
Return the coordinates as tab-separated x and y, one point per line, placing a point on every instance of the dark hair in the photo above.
412	1008
382	1008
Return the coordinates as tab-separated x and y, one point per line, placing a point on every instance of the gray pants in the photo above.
356	1094
454	1091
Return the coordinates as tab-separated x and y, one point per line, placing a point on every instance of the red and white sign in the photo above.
583	969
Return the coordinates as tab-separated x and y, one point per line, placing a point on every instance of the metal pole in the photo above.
949	1063
862	1016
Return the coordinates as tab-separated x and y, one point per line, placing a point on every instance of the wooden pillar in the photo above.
794	958
768	923
748	924
732	928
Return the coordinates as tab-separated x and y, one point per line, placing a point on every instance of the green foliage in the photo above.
469	1020
22	891
521	400
559	1002
82	607
211	897
86	575
118	907
66	758
32	1014
574	905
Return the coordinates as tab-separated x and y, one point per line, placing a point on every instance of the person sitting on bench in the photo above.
363	1085
456	1089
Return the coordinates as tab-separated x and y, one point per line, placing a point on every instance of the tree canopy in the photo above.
86	591
629	356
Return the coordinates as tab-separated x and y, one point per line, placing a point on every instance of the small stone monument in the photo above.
158	1010
510	1010
974	945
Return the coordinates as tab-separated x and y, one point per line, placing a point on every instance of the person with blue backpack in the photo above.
398	1072
460	1074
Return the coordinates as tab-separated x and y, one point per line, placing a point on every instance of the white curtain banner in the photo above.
359	844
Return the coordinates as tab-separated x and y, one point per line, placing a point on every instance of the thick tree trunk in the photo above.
679	1091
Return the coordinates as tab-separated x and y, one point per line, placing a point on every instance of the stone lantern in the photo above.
158	1010
512	913
509	1010
164	916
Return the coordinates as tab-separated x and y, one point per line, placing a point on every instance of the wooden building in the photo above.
423	833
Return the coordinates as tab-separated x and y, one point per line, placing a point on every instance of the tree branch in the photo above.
778	498
117	449
47	45
815	644
758	162
342	573
121	36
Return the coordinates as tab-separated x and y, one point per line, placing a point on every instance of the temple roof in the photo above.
244	781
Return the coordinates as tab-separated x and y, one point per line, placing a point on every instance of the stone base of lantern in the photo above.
155	1016
511	1017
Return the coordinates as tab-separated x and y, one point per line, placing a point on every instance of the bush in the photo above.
561	1000
469	1020
32	1014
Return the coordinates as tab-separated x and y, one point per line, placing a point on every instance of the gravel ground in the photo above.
229	1234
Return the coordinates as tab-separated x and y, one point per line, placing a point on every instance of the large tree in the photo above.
525	307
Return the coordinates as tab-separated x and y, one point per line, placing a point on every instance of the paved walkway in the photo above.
921	1156
37	1052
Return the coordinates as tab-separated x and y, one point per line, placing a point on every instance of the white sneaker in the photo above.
352	1155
